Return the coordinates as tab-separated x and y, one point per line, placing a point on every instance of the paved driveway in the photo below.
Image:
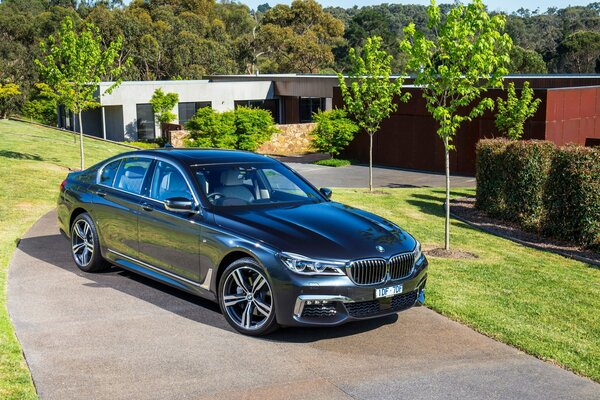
115	335
355	176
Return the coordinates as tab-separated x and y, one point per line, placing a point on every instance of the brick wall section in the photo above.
292	139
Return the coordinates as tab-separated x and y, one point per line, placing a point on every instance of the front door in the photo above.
169	240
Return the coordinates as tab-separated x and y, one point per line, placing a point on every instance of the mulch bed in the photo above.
464	210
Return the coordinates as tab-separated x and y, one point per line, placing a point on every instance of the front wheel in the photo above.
246	298
85	246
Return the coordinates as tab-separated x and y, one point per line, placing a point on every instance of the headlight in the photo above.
418	252
310	266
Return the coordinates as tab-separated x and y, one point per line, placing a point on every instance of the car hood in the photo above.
322	230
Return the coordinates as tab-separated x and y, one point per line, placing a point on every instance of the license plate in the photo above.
388	291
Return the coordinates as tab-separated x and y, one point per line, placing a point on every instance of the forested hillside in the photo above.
187	39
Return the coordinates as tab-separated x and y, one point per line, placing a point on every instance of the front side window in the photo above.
253	185
131	174
168	183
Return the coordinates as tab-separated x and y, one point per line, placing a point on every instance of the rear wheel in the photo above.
246	298
85	246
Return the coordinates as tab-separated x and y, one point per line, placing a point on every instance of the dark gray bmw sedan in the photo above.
244	230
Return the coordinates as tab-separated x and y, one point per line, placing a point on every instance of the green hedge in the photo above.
572	195
542	187
526	164
491	176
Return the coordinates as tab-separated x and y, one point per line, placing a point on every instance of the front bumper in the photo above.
334	300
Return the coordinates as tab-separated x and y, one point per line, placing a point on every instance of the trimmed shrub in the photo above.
243	129
526	168
491	175
573	196
209	128
334	131
253	127
546	189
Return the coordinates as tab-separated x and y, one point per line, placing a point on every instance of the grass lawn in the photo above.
33	163
539	302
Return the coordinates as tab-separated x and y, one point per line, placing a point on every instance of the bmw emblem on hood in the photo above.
380	249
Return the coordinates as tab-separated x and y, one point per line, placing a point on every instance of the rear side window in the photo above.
107	176
131	173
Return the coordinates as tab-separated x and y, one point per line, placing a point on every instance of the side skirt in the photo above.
160	275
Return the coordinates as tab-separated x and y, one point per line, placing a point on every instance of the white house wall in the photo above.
222	96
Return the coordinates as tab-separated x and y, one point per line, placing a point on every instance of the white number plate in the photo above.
388	291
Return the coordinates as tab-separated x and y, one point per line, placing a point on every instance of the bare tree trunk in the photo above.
81	140
370	162
447	233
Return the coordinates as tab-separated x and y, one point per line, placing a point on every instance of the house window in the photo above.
145	121
309	106
271	105
189	109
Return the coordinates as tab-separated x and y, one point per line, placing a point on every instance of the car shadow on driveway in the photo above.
53	250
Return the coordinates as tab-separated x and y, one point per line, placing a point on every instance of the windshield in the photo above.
230	185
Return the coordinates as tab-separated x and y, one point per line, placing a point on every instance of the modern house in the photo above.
126	113
569	113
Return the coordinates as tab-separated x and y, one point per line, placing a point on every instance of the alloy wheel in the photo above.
247	298
82	242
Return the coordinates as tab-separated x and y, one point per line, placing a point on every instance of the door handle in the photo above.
147	207
100	193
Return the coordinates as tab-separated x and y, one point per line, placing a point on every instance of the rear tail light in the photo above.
62	185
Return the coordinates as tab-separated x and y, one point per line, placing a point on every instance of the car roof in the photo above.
206	156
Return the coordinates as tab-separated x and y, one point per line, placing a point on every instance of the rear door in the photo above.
169	240
116	208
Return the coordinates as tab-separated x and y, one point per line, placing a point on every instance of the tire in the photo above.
246	298
85	245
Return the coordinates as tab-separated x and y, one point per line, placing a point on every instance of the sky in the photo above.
493	5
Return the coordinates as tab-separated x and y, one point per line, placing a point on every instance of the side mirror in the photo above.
180	205
326	192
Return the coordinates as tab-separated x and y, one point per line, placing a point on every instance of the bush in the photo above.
573	195
209	128
526	168
242	129
334	131
254	127
491	175
333	162
544	188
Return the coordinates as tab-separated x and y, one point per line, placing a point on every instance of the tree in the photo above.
299	38
580	53
162	106
334	131
524	61
73	64
514	111
8	97
466	55
369	98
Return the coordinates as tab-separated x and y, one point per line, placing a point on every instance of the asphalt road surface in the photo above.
116	335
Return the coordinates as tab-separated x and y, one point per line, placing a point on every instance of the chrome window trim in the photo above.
151	157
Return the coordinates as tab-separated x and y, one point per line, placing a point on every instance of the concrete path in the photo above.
115	335
355	176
